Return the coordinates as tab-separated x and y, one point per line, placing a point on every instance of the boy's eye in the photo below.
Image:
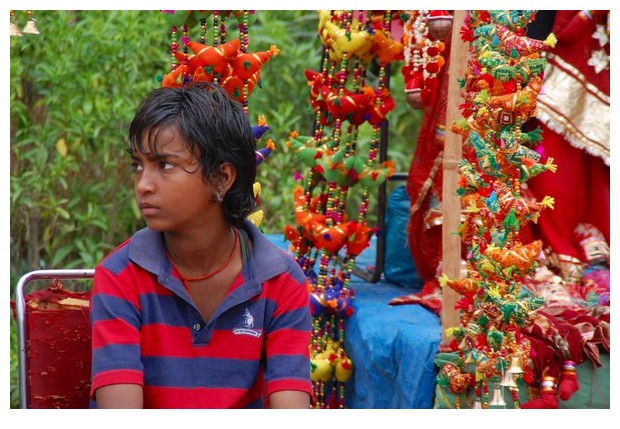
136	166
165	165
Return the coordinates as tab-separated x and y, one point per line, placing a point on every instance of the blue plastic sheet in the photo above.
392	347
399	267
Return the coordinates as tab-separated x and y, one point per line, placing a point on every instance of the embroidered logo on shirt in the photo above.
248	325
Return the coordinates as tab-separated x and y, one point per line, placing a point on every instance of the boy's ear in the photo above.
229	174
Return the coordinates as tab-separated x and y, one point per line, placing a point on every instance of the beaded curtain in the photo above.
350	90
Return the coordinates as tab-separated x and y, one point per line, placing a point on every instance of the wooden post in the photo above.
451	242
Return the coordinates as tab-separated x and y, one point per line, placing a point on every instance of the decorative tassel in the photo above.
568	382
548	396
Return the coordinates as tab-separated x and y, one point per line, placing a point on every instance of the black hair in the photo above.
215	128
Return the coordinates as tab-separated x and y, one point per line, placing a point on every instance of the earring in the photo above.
220	198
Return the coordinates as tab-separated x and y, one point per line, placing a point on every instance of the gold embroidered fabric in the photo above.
575	109
571	269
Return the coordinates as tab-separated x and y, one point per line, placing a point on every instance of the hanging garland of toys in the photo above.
502	82
423	32
335	160
205	53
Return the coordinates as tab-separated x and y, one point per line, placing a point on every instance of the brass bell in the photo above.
414	99
30	27
515	366
508	380
15	30
439	24
498	398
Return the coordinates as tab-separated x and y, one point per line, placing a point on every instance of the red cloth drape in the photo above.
58	348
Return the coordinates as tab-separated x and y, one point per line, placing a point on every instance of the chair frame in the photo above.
20	307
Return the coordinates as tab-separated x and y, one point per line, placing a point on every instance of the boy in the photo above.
198	309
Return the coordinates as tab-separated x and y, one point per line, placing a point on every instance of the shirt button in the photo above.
196	327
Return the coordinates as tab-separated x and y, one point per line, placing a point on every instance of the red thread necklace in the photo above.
186	279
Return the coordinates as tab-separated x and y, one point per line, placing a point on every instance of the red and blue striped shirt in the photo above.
147	331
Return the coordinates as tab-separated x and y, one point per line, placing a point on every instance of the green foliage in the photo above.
74	88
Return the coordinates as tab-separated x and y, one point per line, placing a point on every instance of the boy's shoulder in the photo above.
269	259
142	248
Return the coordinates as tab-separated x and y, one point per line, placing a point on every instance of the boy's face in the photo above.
169	186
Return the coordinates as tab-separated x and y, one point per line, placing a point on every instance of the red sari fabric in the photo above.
573	113
424	188
581	190
424	183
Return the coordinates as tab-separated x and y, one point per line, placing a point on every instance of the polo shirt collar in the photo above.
148	251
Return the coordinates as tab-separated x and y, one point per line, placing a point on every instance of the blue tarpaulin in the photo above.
392	347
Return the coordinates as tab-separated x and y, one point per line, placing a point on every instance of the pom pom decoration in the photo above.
423	57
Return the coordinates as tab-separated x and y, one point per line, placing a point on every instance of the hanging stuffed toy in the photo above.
520	258
330	238
176	78
359	238
514	45
386	49
356	42
246	65
525	210
348	106
378	108
235	86
214	58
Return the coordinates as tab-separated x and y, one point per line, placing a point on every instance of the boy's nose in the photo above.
144	183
